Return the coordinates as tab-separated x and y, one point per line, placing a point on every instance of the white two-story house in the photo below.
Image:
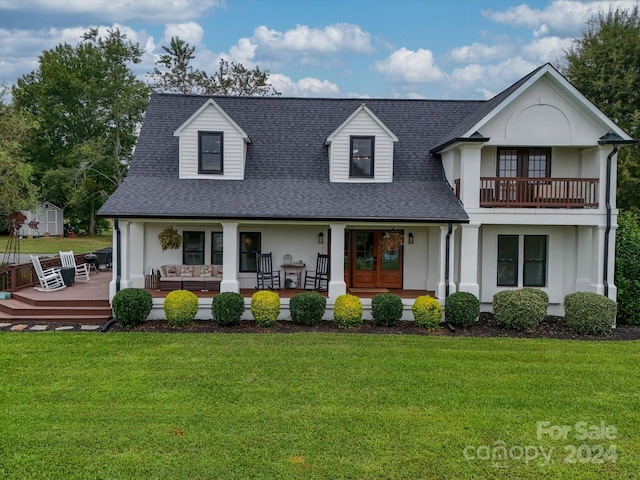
488	195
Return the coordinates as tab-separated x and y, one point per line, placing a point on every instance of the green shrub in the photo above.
627	271
461	309
347	311
522	309
265	307
180	308
386	309
227	308
427	312
307	308
131	306
540	293
589	313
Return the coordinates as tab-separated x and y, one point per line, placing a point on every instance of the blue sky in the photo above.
324	48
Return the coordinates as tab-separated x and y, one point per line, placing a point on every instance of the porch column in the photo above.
597	259
442	285
583	269
469	259
125	254
337	285
136	262
230	258
470	155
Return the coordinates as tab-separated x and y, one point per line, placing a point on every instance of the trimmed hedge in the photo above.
132	306
427	312
461	309
347	311
386	309
227	308
627	271
307	308
265	307
180	308
589	313
522	309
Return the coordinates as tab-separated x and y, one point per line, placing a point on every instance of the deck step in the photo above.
59	302
19	309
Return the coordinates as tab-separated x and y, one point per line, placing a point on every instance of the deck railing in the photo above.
539	192
19	275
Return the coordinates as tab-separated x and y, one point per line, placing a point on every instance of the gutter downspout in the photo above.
447	247
118	255
607	231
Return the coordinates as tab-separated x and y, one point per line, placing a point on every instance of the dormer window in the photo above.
361	159
210	159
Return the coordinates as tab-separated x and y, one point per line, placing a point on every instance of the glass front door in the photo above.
366	265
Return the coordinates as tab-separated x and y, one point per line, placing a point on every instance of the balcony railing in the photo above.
539	192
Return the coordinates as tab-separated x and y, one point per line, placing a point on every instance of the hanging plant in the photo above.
170	238
391	241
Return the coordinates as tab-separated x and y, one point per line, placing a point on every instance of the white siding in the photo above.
361	125
211	120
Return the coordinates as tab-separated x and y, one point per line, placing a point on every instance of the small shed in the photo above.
49	218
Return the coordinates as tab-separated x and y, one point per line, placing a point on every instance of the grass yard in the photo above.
271	406
42	245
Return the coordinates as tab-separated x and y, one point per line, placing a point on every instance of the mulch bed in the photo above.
551	327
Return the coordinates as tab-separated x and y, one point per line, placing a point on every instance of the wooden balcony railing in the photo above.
15	276
539	192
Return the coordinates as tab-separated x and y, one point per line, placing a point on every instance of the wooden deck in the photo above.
86	302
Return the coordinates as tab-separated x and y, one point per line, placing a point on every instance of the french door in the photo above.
366	265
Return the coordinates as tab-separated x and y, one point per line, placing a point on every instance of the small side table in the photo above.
294	270
68	275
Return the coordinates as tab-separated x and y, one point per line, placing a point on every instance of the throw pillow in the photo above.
186	271
171	270
206	271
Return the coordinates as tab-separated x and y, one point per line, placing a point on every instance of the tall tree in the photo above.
604	64
174	73
16	189
88	104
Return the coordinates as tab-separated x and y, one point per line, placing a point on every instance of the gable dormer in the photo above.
361	149
212	145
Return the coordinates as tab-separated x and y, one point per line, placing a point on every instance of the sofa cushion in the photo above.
186	271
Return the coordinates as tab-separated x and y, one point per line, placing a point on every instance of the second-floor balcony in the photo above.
537	192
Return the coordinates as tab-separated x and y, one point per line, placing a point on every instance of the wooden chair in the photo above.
68	259
50	279
266	276
320	276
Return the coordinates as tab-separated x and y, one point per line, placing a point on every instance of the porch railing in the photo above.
15	276
539	192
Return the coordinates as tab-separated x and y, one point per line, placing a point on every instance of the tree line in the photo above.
68	132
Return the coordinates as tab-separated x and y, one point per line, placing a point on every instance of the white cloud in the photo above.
190	32
547	49
491	79
410	66
305	87
566	17
337	38
478	52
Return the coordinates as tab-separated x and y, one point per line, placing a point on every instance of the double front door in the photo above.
366	265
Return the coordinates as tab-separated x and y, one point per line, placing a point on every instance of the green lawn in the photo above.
83	244
217	406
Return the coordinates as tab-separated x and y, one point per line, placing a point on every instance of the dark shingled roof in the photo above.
287	166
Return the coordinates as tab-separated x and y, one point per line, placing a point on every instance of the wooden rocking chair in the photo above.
321	275
68	259
50	279
266	276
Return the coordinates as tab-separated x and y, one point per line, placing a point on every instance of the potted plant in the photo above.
170	238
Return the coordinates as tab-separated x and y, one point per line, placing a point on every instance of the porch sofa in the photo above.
190	277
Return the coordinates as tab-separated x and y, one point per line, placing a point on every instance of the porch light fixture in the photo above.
321	237
410	238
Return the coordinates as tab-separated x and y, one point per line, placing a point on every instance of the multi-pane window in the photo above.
533	260
361	157
210	158
249	246
216	248
193	248
524	162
